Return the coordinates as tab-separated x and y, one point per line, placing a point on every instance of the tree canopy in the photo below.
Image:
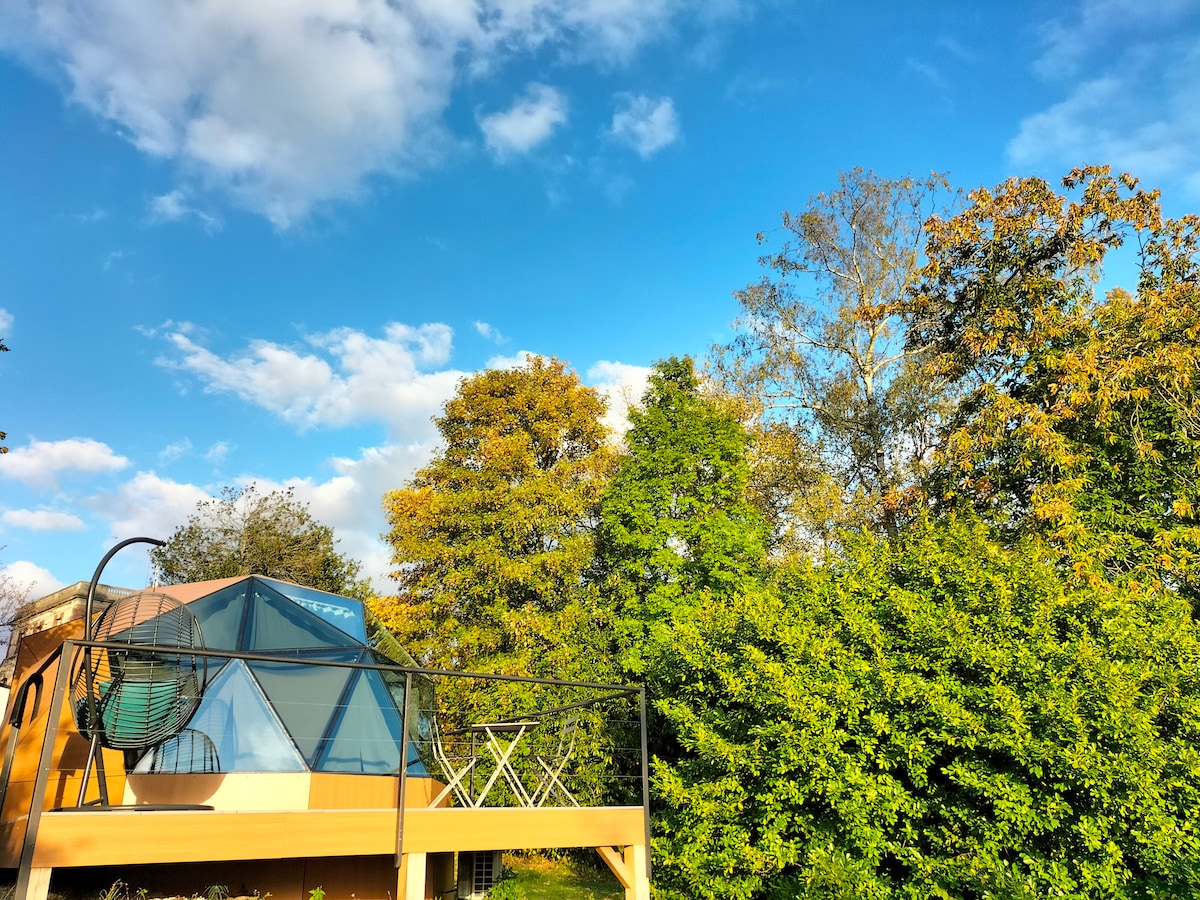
675	519
492	538
848	408
1082	417
245	532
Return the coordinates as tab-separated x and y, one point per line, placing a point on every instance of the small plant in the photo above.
118	891
506	888
317	893
216	892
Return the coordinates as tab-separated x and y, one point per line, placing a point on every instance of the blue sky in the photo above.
263	241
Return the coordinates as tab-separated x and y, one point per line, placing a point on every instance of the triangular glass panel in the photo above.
244	732
343	613
366	738
276	623
220	615
306	697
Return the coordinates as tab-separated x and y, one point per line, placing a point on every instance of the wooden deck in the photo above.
277	821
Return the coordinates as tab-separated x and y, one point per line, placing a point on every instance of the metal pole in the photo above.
645	779
43	773
403	768
95	756
87	616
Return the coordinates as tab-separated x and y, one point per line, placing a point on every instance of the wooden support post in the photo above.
639	873
412	877
39	884
616	863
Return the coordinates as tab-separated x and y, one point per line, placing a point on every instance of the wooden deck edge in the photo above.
124	837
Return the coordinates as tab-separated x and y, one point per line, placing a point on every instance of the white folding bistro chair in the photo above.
456	769
555	763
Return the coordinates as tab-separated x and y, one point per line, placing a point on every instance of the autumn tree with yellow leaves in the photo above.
1081	420
490	541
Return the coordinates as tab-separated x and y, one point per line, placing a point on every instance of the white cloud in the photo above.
345	377
527	123
287	105
216	454
147	504
6	322
515	361
351	502
42	520
32	578
622	385
489	333
644	123
41	462
174	451
1130	72
173	206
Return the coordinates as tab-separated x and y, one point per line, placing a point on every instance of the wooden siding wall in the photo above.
70	748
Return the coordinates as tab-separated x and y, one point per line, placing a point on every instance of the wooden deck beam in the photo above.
125	837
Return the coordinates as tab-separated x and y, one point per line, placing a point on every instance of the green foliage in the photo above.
317	893
491	539
216	892
675	521
943	718
248	533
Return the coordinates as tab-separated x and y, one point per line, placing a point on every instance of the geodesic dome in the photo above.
300	715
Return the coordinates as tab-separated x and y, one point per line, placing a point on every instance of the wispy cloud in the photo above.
173	207
41	463
527	123
241	97
174	451
489	333
1130	75
6	322
91	218
645	124
216	454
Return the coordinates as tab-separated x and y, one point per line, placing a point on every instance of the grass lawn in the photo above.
553	879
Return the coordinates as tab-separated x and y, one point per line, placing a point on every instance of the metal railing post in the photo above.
645	777
61	682
403	768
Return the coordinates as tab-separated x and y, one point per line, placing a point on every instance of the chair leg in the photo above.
455	785
550	781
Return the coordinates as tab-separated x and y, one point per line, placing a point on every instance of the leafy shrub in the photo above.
945	718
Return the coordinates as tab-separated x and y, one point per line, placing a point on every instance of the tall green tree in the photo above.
849	410
676	522
1082	415
943	716
491	540
245	532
